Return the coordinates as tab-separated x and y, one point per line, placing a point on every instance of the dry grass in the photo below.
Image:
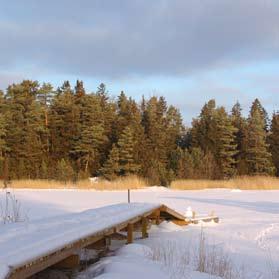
132	182
181	256
243	183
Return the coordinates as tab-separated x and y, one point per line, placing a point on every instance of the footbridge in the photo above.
28	248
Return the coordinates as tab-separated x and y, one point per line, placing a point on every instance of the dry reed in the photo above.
131	182
243	183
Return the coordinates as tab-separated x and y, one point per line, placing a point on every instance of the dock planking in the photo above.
138	216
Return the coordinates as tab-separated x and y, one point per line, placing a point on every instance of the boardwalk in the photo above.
26	249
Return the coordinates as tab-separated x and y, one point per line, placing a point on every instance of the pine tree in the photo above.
25	128
92	136
3	129
102	93
111	168
79	89
274	141
257	154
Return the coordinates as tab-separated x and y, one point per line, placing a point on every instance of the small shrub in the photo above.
10	209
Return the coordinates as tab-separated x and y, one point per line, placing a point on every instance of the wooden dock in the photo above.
65	255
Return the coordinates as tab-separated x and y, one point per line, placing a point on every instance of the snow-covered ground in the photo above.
248	232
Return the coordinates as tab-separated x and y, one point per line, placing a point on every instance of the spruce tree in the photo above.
258	157
274	141
111	168
64	122
214	133
225	144
240	123
126	144
257	106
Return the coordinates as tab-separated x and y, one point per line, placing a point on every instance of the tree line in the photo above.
70	134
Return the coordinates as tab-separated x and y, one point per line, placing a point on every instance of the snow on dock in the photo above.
22	243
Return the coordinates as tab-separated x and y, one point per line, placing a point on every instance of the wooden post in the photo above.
129	196
130	233
158	217
144	227
155	216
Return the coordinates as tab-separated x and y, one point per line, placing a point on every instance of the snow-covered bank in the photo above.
135	261
249	220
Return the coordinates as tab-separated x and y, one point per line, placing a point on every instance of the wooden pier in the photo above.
66	256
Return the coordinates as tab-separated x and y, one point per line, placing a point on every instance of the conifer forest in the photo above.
68	133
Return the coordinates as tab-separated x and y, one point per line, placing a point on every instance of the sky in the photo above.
189	51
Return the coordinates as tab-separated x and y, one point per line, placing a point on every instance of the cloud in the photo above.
122	39
7	78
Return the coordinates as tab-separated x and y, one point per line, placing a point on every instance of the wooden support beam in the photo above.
71	262
130	233
118	236
100	244
144	227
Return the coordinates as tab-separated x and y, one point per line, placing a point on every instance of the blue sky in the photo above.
188	51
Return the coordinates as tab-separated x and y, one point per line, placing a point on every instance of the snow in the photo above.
20	243
236	191
248	231
189	213
135	261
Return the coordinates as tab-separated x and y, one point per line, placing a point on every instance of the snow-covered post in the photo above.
129	200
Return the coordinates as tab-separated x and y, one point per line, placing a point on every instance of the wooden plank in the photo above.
205	219
71	262
172	213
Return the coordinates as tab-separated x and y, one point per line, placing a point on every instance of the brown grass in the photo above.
243	183
132	182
